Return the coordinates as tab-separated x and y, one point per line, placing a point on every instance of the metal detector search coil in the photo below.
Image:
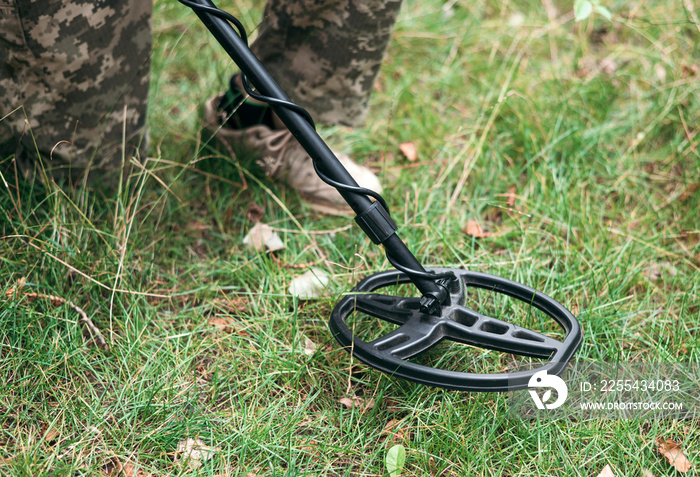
419	332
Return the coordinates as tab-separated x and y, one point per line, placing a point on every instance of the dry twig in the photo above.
85	320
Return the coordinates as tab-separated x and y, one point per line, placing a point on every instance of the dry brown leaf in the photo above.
673	453
647	473
20	283
221	323
347	402
312	448
311	445
392	405
198	226
233	306
391	429
689	70
254	213
390	426
409	151
361	404
227	325
473	229
50	434
193	452
365	404
130	471
689	191
510	196
606	472
115	468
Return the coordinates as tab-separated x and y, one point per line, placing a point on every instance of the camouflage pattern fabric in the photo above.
80	70
325	54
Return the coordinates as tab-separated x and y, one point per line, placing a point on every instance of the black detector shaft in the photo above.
372	217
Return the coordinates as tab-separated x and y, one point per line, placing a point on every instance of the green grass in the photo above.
605	167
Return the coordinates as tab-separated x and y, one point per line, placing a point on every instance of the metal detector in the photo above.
441	313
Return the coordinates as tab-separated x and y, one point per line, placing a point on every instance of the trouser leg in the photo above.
80	70
326	54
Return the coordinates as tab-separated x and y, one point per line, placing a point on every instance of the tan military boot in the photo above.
283	159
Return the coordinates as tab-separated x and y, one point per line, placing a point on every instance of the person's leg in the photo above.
326	54
80	71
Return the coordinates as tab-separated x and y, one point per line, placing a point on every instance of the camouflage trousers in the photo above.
74	83
326	54
75	74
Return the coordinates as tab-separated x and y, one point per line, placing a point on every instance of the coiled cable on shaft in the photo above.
240	30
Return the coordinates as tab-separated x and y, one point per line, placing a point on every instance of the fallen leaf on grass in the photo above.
409	151
689	70
473	229
49	435
658	269
193	452
647	473
510	196
516	20
115	468
392	429
673	453
361	404
606	472
608	65
689	191
311	284
309	347
311	447
227	325
395	460
660	72
263	238
130	471
254	213
386	157
392	405
233	306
